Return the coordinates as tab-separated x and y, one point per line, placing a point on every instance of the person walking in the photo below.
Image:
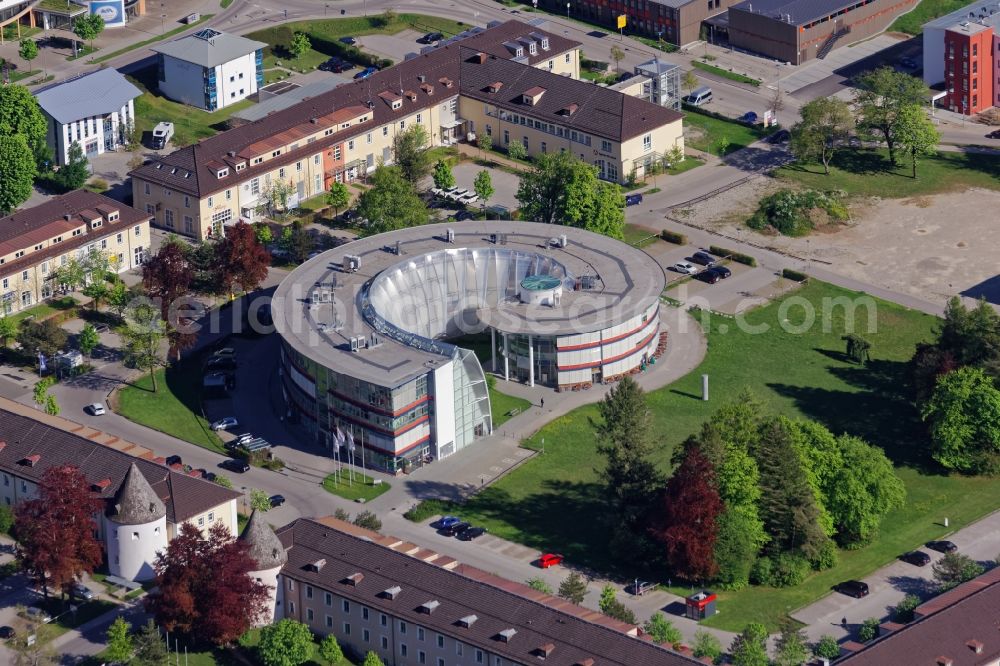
542	401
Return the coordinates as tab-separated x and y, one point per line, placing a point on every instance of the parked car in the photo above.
942	546
350	41
908	63
917	558
224	352
242	439
225	423
633	199
102	328
995	134
162	134
7	633
37	614
781	136
95	409
174	460
330	64
685	267
446	521
276	500
721	271
852	588
640	587
749	117
235	465
366	72
547	560
703	258
81	591
455	528
472	533
464	215
342	66
708	276
430	38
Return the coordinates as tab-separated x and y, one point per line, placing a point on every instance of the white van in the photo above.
162	134
700	96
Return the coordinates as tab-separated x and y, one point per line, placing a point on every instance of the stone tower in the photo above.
136	528
269	555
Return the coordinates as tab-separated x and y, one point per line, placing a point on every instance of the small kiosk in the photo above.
700	605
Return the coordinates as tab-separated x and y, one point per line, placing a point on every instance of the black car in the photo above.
455	529
430	38
276	500
334	64
942	546
852	588
781	136
174	460
640	587
721	271
238	466
995	134
917	558
703	258
472	533
7	633
350	41
709	276
464	215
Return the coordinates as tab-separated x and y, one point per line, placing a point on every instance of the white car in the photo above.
685	267
225	423
95	409
468	199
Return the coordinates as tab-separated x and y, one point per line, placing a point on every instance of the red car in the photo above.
549	560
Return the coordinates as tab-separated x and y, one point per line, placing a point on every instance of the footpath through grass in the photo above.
174	409
869	173
801	375
912	23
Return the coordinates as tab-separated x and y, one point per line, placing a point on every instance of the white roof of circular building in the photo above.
435	289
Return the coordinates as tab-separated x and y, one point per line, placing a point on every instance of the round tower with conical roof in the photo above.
136	528
266	551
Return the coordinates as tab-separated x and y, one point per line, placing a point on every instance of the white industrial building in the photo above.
210	69
95	110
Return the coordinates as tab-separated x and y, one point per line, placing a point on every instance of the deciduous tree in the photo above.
17	171
372	659
299	45
339	197
880	97
368	520
444	179
689	82
28	50
88	27
825	126
287	642
749	648
259	500
954	569
617	54
330	650
120	647
827	647
391	203
167	277
706	645
240	260
916	134
97	292
296	241
661	630
483	186
45	336
205	590
262	230
688	519
20	114
963	415
972	337
143	335
484	142
631	479
573	588
76	171
9	328
88	339
409	149
119	297
55	531
868	630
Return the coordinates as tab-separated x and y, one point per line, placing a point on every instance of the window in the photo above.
440	641
567	57
605	146
385	643
544	148
328	599
402	124
210	200
506	137
309	592
329	622
421	657
6	283
229	195
347	628
402	627
168	217
459	648
188	224
364	613
298	166
975	50
366	636
24	275
211	516
552	65
402	649
479	656
350	144
336	152
201	521
368	137
281	172
145	188
291	606
309	614
440	661
418	117
647	142
385	130
524	142
420	633
346	605
383	620
135	536
316	160
255	186
222	217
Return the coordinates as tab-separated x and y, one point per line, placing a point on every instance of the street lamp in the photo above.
567	10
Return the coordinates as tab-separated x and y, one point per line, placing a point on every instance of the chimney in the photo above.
975	646
944	661
67	216
232	153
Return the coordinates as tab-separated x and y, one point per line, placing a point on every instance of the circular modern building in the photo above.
378	335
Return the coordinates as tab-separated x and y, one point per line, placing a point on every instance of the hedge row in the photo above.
673	237
795	276
738	257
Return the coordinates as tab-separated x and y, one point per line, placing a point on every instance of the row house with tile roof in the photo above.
35	242
344	134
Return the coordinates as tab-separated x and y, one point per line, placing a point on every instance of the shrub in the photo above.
795	276
791	213
903	612
6	519
827	647
516	151
868	630
827	558
738	257
673	237
760	572
368	520
788	570
427	508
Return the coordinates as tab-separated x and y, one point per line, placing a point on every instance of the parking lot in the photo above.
395	47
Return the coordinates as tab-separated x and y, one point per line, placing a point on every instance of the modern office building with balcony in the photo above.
210	69
377	334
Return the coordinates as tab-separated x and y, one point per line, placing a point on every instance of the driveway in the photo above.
394	47
504	182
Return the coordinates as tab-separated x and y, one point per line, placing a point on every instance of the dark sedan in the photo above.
703	258
917	558
234	465
942	546
350	41
472	533
455	529
365	73
276	500
709	276
721	271
852	588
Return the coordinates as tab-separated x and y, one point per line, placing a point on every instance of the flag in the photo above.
339	440
350	441
41	362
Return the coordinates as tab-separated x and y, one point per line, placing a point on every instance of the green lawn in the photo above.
714	129
868	173
174	409
640	236
912	23
502	404
46	309
686	165
362	487
724	73
66	619
146	42
799	375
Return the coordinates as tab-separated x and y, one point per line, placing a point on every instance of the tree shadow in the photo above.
915	585
988	289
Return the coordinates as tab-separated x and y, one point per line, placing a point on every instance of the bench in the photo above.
514	412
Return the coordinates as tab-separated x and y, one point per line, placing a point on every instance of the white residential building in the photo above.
210	69
94	110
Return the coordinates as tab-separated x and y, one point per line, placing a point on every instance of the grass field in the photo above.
502	404
361	487
725	73
174	409
640	236
686	164
46	309
912	23
868	173
799	375
715	129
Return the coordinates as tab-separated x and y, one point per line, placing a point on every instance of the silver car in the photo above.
225	423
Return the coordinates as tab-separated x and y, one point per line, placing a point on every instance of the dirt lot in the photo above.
933	247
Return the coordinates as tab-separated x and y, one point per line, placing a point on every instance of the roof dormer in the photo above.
532	96
568	110
410	95
494	87
394	101
446	82
427	88
541	39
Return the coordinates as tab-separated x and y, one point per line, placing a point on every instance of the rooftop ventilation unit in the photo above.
351	263
450	235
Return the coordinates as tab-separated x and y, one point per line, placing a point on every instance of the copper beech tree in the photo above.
204	587
240	260
55	531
